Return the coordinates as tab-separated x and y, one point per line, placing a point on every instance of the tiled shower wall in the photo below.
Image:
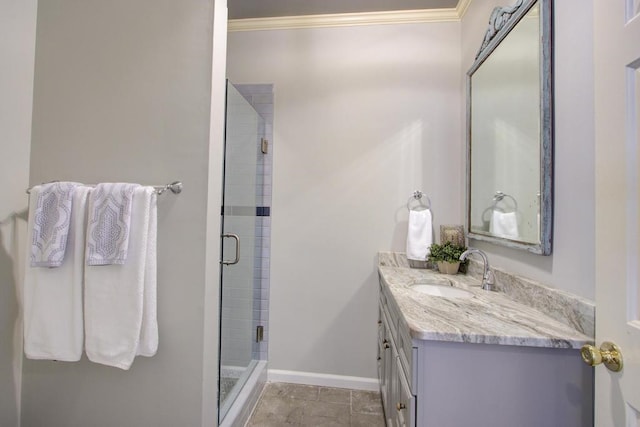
260	96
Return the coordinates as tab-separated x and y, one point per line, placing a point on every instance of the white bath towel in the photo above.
109	223
52	297
148	345
50	226
120	300
504	224
419	235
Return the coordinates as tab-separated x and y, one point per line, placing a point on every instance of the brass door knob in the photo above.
608	353
400	406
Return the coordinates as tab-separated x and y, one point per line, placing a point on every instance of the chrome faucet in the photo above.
487	275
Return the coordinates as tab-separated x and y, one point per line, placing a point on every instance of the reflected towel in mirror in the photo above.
504	224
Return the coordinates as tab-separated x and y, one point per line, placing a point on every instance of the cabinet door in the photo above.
393	388
382	342
385	365
404	403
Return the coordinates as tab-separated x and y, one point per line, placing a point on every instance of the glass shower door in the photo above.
238	283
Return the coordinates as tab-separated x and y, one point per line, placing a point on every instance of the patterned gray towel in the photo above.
51	223
108	227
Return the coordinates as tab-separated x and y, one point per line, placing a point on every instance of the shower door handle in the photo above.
237	239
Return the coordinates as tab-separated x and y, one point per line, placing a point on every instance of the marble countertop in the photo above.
488	317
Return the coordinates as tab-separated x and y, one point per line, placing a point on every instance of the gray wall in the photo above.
122	93
17	50
363	117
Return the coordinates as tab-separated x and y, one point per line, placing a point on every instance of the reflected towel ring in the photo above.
417	195
486	219
499	196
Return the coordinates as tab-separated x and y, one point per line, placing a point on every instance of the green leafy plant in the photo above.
447	252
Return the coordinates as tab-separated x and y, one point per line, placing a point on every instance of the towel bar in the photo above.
175	187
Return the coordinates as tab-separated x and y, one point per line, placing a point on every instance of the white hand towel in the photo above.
52	297
50	226
504	224
419	235
120	308
109	223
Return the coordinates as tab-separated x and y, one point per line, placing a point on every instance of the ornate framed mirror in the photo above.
510	130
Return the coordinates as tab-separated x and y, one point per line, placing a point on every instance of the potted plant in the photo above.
446	256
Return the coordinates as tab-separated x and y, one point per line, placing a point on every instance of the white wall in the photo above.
123	93
571	266
363	117
17	50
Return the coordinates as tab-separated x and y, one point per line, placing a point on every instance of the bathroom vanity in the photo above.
479	358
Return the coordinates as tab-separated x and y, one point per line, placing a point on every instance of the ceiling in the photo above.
243	9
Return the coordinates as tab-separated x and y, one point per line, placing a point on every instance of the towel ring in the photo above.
417	195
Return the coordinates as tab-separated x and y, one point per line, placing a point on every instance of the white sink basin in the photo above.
444	291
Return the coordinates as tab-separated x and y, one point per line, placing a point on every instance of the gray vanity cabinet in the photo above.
428	383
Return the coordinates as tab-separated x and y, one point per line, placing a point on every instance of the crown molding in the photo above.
351	19
462	7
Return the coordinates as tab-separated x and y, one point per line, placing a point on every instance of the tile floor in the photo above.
283	404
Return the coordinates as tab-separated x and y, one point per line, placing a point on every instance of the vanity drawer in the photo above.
406	353
394	317
383	297
382	325
385	338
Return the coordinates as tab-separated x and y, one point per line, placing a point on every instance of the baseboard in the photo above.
324	380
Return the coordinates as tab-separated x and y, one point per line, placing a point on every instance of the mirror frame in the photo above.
501	22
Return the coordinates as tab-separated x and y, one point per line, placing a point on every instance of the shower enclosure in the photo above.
242	364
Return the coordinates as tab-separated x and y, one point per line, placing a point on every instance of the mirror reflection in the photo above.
508	198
